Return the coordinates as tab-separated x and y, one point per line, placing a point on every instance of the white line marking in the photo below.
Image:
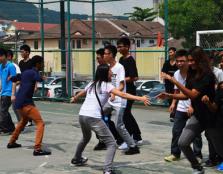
43	164
136	164
56	113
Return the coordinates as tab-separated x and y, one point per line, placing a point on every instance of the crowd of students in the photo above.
198	91
194	88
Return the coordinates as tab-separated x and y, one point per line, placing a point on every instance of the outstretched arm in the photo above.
75	98
165	95
144	99
192	94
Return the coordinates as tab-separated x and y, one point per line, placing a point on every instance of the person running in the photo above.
26	107
18	73
131	75
200	81
183	111
116	105
216	107
170	67
7	71
25	64
90	115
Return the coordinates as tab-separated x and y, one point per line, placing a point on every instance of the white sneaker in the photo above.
123	146
139	143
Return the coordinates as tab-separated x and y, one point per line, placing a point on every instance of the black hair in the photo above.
181	52
25	48
172	48
125	41
3	52
37	59
202	63
10	53
112	49
100	51
101	75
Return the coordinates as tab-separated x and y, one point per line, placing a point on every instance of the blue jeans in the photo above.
180	121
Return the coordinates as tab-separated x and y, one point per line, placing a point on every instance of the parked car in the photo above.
159	88
53	91
52	80
79	85
53	87
143	87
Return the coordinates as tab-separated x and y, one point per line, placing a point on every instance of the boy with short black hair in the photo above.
7	71
26	107
131	75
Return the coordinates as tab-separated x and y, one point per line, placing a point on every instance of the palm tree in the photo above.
141	14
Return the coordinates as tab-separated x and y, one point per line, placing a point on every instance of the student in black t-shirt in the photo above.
25	64
170	67
131	75
200	81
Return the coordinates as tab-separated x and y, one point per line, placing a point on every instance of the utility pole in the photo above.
62	46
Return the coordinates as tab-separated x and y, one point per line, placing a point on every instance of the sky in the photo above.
115	8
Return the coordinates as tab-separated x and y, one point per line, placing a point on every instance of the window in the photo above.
73	44
59	44
36	46
138	43
78	43
85	41
151	41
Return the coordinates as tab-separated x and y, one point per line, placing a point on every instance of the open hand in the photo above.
165	76
73	99
205	99
190	111
146	100
163	96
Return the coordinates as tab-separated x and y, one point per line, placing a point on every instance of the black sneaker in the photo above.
109	172
13	145
100	146
210	163
79	162
41	152
132	150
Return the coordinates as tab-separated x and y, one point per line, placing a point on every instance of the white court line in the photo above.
56	113
43	164
136	164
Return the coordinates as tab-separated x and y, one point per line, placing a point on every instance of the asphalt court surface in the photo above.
62	133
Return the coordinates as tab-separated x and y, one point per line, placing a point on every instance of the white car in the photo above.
53	91
143	87
53	87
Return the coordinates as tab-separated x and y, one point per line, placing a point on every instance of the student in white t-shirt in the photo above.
116	105
183	111
90	116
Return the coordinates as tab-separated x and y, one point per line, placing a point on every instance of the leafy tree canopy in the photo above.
187	17
141	14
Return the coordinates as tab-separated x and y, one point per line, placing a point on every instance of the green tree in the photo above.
141	14
6	47
187	17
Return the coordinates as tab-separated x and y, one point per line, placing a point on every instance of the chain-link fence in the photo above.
68	38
